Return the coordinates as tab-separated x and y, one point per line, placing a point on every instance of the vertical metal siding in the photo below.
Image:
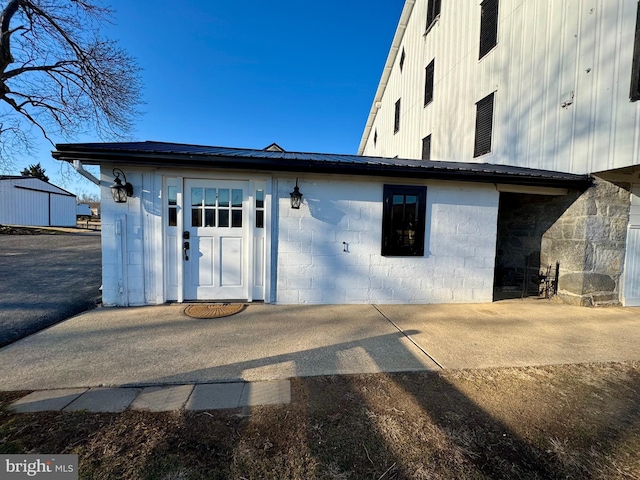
63	210
32	202
631	290
560	70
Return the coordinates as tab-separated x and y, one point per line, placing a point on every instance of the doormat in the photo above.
213	310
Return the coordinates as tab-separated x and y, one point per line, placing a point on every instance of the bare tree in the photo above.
60	77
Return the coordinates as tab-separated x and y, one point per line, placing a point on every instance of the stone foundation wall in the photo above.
589	241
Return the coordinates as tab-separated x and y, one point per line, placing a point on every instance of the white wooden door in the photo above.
215	222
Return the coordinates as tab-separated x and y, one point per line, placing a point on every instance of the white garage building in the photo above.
33	202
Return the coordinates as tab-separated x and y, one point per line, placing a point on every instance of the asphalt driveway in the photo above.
45	279
160	345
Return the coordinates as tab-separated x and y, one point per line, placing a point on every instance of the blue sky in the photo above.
249	73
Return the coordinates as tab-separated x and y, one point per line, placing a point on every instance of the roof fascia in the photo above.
154	159
386	72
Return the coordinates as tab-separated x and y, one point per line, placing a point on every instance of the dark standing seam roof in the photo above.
160	154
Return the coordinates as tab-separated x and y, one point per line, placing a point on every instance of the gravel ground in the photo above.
45	279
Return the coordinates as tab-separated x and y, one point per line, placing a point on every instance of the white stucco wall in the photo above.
460	244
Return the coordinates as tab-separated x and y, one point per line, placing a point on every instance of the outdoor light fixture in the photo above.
296	197
119	191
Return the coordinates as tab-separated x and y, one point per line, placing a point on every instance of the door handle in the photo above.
185	250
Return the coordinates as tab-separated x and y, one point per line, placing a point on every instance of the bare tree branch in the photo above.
59	75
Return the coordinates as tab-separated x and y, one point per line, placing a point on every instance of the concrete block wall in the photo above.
123	277
329	251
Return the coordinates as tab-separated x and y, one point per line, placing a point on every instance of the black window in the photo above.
402	57
426	148
635	72
403	220
375	137
484	126
428	83
396	121
488	26
433	10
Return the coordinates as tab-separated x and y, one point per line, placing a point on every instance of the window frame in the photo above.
489	15
634	91
481	146
426	141
433	13
396	117
429	73
417	249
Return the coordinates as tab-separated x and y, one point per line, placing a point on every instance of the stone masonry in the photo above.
589	241
585	232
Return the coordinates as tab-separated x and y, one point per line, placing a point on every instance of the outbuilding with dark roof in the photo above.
188	222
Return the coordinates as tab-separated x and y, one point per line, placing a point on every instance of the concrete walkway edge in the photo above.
213	396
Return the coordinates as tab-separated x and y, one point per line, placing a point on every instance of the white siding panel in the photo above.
561	73
632	269
33	202
63	210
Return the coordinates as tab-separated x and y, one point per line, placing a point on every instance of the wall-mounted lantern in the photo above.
119	191
296	197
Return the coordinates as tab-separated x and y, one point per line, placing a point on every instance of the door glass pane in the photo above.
223	218
209	217
210	197
259	198
236	218
196	197
173	217
173	195
398	199
260	219
196	217
223	197
236	198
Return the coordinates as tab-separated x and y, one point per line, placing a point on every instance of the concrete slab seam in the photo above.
408	337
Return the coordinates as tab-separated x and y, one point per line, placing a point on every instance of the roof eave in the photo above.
174	160
386	71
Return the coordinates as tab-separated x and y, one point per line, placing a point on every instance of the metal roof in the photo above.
160	154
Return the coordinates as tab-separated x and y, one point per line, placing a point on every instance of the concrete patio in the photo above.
152	346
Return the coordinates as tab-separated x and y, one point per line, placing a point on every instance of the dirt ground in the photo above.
570	422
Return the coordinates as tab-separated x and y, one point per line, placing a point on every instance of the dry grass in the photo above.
578	421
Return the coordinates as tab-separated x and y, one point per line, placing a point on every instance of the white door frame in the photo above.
264	183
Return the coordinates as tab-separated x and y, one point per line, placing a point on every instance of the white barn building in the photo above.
34	202
544	84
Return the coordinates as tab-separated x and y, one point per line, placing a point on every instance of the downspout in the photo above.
77	165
